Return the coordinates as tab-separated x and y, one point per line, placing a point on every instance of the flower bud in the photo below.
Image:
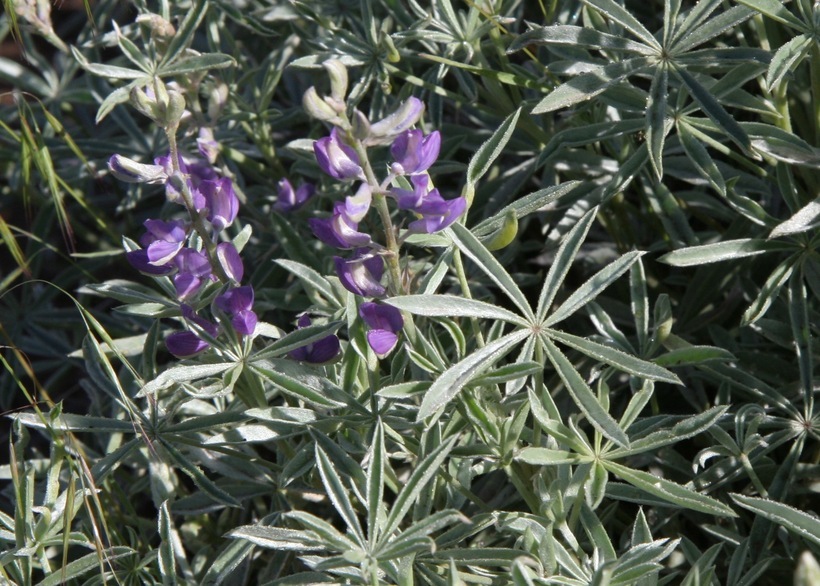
361	125
130	171
317	108
217	100
338	79
175	108
388	128
505	234
145	104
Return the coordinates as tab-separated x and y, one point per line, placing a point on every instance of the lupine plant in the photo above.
391	292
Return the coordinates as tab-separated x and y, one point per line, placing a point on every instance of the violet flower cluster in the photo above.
184	250
343	156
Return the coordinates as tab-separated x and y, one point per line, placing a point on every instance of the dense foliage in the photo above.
392	292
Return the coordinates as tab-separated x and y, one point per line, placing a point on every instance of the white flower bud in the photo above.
338	79
317	108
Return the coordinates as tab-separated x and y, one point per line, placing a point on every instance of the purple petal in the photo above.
382	341
381	317
236	300
415	153
161	253
185	344
130	171
361	275
186	285
173	231
221	201
289	200
244	322
324	350
139	260
336	158
230	260
437	214
323	230
357	206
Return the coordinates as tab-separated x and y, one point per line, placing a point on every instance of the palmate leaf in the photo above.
488	152
700	157
775	9
336	491
452	306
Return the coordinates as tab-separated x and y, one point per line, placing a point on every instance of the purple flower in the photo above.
319	352
362	273
414	152
339	231
384	322
194	171
336	158
185	344
391	126
238	305
139	260
437	213
194	268
230	260
290	200
221	202
163	240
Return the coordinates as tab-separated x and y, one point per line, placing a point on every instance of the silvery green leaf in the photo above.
337	493
592	287
278	538
669	491
166	558
451	381
622	16
576	36
83	565
561	263
720	251
587	86
296	339
478	253
109	71
452	306
524	206
713	109
712	28
776	10
488	152
786	59
548	457
584	397
656	127
614	357
309	277
700	157
422	474
689	427
180	374
71	422
300	381
694	355
782	145
185	33
197	64
375	483
696	16
769	291
244	434
205	484
805	219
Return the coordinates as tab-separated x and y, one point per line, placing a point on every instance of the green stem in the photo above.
465	292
